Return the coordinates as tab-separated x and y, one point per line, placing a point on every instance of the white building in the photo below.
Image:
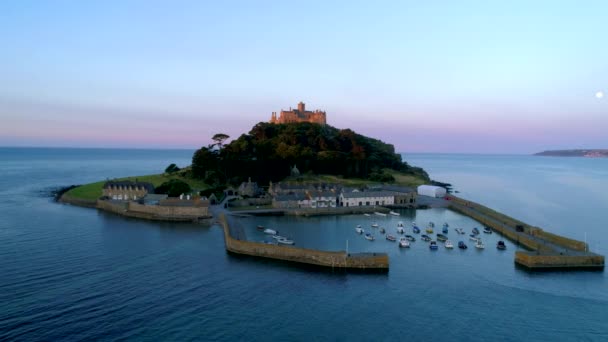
366	198
431	191
323	199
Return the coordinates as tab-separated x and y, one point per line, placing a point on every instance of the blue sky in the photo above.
432	76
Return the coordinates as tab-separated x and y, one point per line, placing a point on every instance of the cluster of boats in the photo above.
275	235
404	241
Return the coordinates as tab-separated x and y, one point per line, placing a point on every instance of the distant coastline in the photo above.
587	153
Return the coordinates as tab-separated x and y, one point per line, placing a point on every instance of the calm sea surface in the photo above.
70	273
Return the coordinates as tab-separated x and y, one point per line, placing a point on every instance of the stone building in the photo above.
293	200
249	189
299	115
366	198
404	196
126	190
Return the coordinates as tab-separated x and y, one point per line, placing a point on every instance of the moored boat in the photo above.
487	230
444	230
260	228
390	237
382	230
359	230
394	213
285	241
400	230
404	243
374	225
501	245
459	231
448	244
270	231
278	237
410	238
366	214
429	230
475	231
462	245
473	237
425	237
416	230
379	213
441	237
369	237
400	224
431	224
433	245
479	244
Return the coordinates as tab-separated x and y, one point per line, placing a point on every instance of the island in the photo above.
297	164
587	153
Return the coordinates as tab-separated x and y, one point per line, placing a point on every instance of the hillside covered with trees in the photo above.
270	151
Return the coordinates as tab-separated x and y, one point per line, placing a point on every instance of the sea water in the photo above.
70	273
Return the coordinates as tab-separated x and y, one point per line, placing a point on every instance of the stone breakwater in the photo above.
546	250
336	260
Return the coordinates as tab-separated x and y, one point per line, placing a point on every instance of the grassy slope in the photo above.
400	179
93	190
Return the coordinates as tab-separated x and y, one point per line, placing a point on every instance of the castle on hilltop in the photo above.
299	115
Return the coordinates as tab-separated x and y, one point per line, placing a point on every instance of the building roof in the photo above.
397	188
148	186
368	194
291	197
315	194
155	197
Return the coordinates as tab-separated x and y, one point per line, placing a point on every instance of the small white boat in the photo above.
394	213
473	238
400	230
379	213
285	241
270	231
278	237
448	244
390	237
369	237
382	230
479	244
374	225
404	243
359	230
459	231
366	214
487	230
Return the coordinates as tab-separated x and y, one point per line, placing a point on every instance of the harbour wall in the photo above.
156	213
548	261
547	250
340	259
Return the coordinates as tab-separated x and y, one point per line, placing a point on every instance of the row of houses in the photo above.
332	196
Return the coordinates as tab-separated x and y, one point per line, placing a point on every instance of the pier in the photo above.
236	242
545	250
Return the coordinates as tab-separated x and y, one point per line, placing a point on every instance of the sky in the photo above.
425	76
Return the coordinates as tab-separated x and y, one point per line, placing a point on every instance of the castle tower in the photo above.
301	107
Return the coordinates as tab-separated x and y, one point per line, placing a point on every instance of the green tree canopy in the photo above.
173	188
172	168
269	151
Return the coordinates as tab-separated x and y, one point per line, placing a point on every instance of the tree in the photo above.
219	139
203	161
172	168
173	188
